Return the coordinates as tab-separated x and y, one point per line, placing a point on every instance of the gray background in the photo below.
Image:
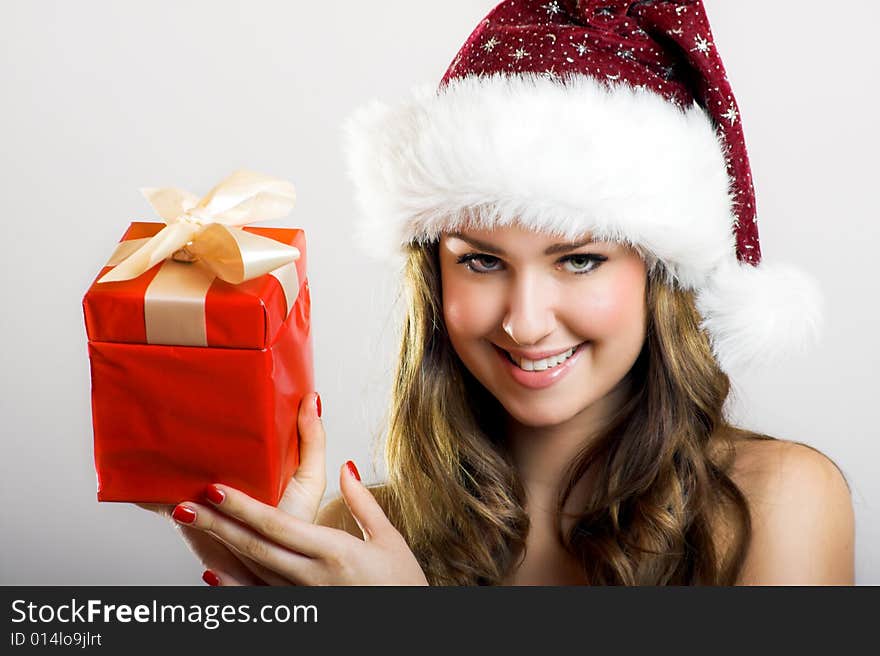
101	98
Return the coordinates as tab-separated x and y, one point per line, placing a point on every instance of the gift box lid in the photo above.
184	304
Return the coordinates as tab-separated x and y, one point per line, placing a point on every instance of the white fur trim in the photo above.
622	163
756	315
584	156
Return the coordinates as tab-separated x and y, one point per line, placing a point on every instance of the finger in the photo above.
264	574
247	542
303	494
215	555
277	525
212	553
217	577
362	504
312	465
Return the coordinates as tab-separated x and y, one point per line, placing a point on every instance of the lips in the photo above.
541	363
540	379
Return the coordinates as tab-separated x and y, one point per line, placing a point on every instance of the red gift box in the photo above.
170	419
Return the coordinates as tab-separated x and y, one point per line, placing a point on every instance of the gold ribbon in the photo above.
206	231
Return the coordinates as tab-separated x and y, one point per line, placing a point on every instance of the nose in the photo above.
530	314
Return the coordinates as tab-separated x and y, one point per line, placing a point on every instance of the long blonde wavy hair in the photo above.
659	483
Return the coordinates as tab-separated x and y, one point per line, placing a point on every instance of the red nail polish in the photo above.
353	470
210	578
184	515
214	494
318	403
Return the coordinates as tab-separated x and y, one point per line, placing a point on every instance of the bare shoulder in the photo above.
335	513
802	515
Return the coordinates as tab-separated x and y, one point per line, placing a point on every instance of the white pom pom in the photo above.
756	315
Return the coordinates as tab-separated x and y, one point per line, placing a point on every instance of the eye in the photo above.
470	258
583	262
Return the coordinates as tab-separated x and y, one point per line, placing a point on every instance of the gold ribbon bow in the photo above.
207	229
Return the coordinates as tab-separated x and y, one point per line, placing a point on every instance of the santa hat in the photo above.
611	117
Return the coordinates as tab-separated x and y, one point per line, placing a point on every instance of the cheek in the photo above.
615	309
468	309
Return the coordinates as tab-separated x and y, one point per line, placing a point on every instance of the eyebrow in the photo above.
489	248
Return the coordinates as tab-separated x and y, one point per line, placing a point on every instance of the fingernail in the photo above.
210	578
184	515
214	494
353	470
318	403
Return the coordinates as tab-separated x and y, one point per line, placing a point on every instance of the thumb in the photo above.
362	504
303	494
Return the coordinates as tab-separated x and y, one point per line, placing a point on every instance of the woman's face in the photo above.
511	290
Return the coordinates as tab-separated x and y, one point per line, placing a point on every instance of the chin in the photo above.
539	415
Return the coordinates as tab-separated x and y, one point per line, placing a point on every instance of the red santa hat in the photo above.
611	117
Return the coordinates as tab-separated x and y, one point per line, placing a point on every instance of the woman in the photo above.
576	215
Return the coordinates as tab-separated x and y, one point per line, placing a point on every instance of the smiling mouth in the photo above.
545	363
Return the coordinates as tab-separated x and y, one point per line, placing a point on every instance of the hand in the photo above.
302	499
214	555
290	550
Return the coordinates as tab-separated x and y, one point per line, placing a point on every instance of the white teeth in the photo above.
543	364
